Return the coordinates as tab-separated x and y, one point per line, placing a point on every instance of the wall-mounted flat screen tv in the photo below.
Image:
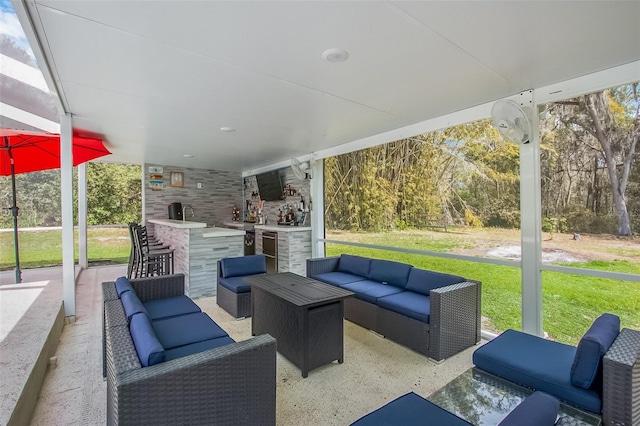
270	186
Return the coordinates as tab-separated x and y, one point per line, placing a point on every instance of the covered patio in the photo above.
244	88
375	370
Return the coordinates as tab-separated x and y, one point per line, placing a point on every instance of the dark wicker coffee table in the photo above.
304	315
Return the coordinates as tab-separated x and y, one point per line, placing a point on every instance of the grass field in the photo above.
44	247
570	302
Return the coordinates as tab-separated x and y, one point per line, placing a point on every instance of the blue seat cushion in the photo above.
410	410
370	291
338	278
408	303
170	307
148	347
132	305
539	409
235	284
538	363
355	265
245	265
122	285
195	348
186	329
586	370
389	272
423	281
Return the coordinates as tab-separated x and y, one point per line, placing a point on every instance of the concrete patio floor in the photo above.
375	370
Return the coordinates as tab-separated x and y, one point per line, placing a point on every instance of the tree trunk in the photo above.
619	202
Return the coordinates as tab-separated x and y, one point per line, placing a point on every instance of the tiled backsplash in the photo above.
212	203
270	210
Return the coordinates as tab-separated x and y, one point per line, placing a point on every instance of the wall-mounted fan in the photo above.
300	170
511	121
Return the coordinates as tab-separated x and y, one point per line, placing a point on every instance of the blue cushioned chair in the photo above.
233	294
571	374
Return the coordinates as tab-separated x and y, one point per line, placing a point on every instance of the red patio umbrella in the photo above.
24	151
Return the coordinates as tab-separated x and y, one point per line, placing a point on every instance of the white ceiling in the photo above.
160	78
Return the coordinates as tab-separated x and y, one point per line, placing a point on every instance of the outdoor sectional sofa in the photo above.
167	362
435	314
601	374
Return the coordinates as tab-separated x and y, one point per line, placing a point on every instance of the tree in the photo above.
464	172
114	193
114	196
38	197
609	122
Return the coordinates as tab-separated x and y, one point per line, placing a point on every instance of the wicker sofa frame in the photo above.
621	380
454	323
237	304
230	385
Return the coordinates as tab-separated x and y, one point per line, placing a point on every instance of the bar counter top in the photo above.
221	232
178	223
283	228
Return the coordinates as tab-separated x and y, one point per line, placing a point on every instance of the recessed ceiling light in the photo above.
187	155
227	129
335	55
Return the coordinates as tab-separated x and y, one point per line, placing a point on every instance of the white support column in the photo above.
66	191
531	223
83	257
144	198
317	205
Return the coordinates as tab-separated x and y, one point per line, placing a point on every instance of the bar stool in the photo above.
149	261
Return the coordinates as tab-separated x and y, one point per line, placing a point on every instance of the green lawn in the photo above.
44	248
570	302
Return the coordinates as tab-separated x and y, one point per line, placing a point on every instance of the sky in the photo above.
10	27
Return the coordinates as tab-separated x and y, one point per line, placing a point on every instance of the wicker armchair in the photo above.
230	385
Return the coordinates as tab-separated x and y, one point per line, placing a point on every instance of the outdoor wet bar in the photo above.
287	247
197	250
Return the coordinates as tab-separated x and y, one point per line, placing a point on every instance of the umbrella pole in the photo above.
14	213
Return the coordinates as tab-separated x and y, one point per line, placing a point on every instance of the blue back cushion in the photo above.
586	370
423	281
387	271
122	285
355	265
132	305
245	265
149	349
